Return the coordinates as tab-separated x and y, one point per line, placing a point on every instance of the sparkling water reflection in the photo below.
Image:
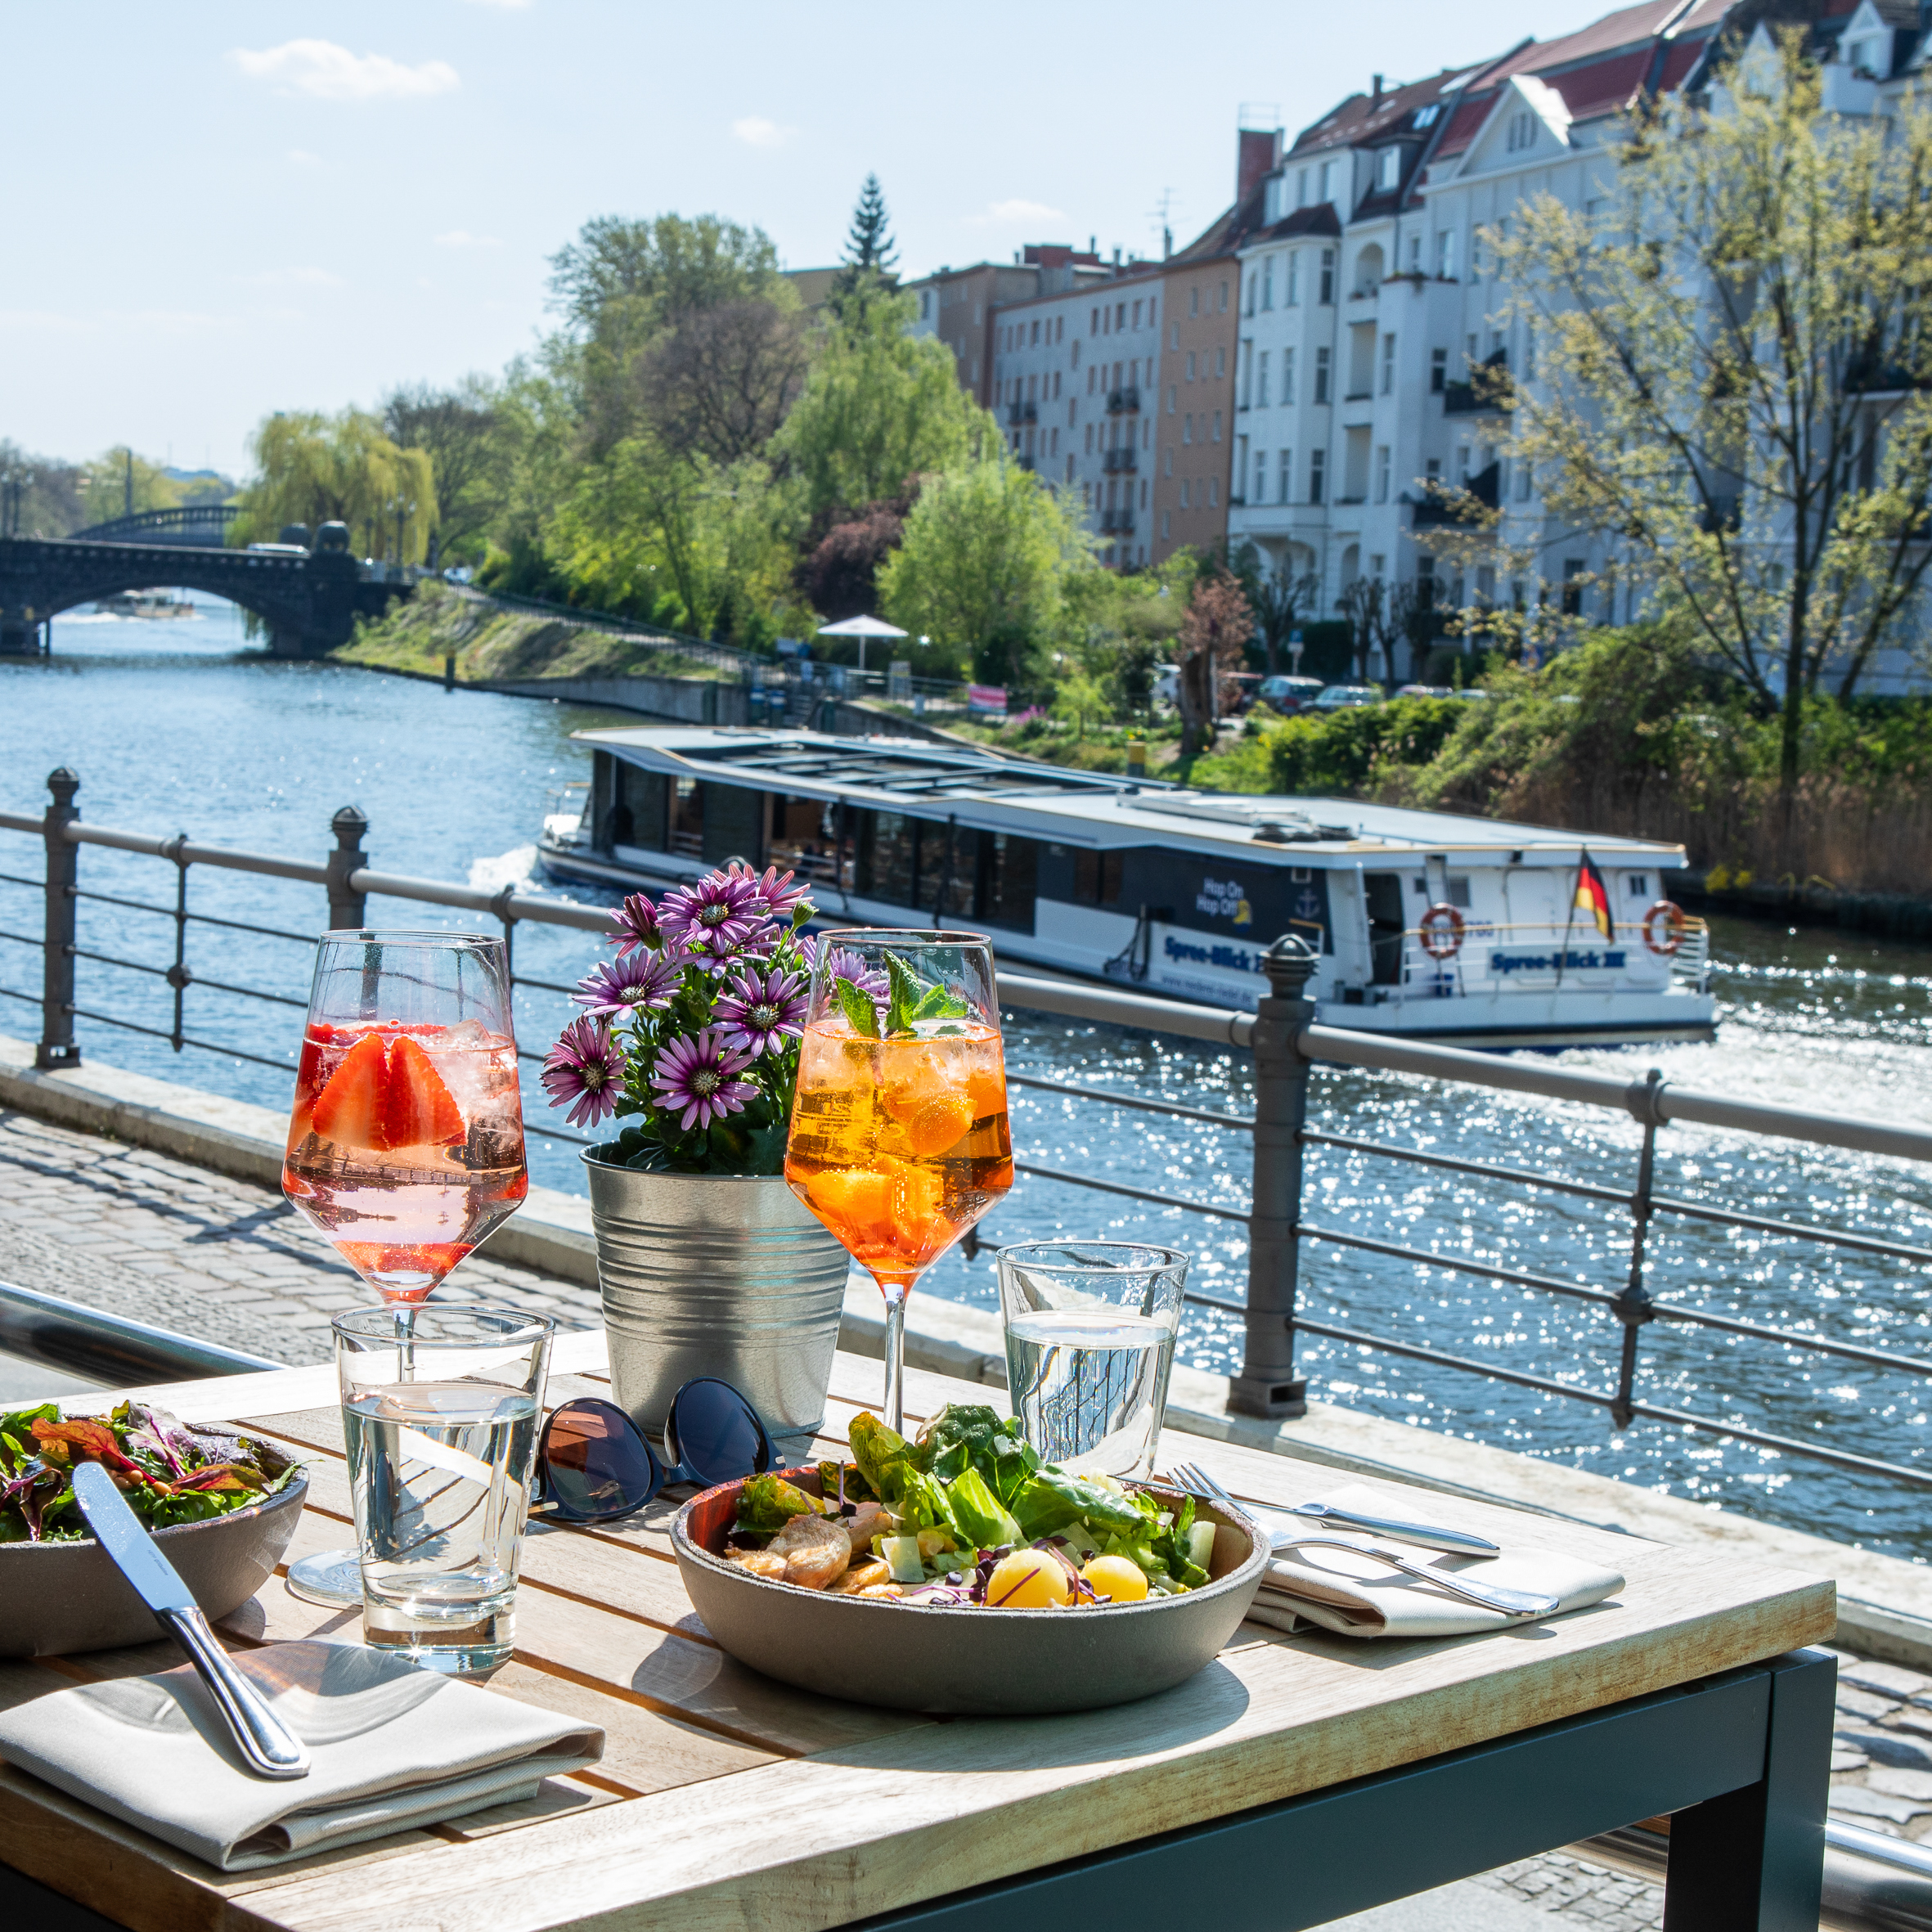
188	729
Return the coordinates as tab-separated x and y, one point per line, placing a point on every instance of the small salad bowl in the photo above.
955	1659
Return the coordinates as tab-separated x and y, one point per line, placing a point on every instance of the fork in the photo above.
1197	1482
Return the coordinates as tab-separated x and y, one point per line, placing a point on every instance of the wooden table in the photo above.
1296	1780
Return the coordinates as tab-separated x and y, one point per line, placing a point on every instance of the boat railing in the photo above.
1282	1219
1445	959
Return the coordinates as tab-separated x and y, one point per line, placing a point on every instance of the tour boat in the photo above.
1425	924
145	603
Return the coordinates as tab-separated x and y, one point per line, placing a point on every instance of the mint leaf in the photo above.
904	998
855	1004
940	1004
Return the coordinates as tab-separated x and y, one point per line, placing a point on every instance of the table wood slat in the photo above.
761	1806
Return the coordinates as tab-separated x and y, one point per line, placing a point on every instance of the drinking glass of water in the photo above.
442	1435
1090	1342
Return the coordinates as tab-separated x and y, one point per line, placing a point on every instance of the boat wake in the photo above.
516	868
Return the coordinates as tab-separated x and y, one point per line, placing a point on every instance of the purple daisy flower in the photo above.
636	922
644	983
762	1011
775	889
586	1068
699	1075
722	906
846	964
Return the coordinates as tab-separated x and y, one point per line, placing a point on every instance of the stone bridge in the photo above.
309	599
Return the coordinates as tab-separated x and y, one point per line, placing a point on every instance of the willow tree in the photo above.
314	470
1735	380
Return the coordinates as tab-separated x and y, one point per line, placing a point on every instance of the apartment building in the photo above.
958	305
1366	306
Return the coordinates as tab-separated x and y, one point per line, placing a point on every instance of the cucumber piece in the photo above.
1201	1542
902	1558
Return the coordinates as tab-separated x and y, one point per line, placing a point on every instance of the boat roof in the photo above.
995	792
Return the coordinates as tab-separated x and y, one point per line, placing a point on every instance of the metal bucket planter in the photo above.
721	1274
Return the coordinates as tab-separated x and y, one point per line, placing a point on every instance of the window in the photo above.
1034	341
1472	353
1262	383
1089	439
1321	375
1055	450
1286	476
1171	394
925	304
1415	255
1190	370
1388	169
1184	503
1328	293
1425	117
1137	315
1327	188
1260	495
1247	373
1382	473
1446	254
1214	492
1166	524
1217	425
1187	428
1251	290
1573	589
1220	362
1268	283
1438	371
1318	470
1301	188
1120	315
1075	352
1522	131
1223	304
1287	376
1093	323
1069	466
1432	469
1168	468
1388	365
1174	335
1294	295
1153	310
1194	300
1524	482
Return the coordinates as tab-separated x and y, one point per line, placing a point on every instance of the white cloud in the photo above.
462	238
755	131
303	158
292	278
326	72
1004	214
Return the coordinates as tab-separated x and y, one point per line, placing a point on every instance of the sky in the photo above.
214	212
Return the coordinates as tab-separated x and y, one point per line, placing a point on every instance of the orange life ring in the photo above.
1441	932
1675	924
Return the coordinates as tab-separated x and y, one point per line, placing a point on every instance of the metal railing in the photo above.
1446	961
724	657
1287	1045
110	1349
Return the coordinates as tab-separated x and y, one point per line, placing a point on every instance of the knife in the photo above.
1460	1542
271	1748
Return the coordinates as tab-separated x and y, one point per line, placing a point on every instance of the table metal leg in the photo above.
1752	1860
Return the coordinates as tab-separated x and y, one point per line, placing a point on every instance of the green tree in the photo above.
870	253
879	405
1736	378
459	429
983	564
1279	599
118	483
1213	633
314	469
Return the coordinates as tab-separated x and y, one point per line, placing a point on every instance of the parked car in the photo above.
1470	691
1425	691
1167	683
1289	695
1346	697
1248	684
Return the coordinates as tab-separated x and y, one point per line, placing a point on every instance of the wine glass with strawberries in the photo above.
405	1140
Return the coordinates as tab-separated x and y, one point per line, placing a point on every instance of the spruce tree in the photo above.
868	246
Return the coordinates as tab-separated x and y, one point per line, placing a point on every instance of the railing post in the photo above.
345	903
1632	1305
1267	1384
57	1046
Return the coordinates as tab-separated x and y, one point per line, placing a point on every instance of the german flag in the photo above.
1593	896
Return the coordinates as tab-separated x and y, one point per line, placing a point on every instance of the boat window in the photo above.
948	866
804	839
1422	887
1386	926
685	834
1097	878
734	825
636	808
1009	879
887	856
1639	886
1458	893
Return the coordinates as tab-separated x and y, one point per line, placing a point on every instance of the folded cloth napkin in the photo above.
393	1747
1358	1595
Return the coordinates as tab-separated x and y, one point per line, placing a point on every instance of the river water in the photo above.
181	727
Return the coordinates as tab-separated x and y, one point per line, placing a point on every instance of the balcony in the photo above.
1021	412
1452	509
1119	461
1026	461
1123	401
1487	392
1116	522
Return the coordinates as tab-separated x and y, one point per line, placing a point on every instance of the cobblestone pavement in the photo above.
146	1236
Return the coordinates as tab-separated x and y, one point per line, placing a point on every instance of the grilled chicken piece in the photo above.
759	1563
869	1522
816	1550
862	1576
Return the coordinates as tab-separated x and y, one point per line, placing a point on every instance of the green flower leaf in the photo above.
855	1004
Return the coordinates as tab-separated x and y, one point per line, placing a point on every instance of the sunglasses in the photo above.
595	1464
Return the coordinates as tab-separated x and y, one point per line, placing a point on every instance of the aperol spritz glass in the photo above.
405	1139
900	1140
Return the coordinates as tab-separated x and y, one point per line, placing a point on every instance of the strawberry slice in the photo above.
349	1111
418	1109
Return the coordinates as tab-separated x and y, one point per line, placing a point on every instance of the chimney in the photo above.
1376	94
1116	261
1093	246
1259	154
